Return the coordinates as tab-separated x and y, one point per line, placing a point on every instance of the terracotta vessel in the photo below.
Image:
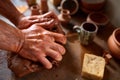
89	11
43	6
114	43
35	10
100	19
71	5
92	6
64	16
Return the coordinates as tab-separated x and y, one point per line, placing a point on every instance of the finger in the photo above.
51	14
54	54
47	24
44	19
46	37
58	37
45	62
48	14
59	48
30	22
33	17
35	21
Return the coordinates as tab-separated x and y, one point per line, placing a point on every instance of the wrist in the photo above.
21	42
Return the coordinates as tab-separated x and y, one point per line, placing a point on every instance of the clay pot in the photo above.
95	5
90	11
34	10
64	16
98	18
71	5
114	43
43	6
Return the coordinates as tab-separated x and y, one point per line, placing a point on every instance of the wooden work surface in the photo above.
70	67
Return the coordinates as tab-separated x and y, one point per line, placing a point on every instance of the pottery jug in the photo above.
64	16
100	19
71	5
43	6
89	6
114	43
34	10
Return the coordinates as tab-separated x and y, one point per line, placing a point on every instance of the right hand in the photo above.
40	43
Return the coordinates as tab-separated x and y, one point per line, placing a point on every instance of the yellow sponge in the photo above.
93	67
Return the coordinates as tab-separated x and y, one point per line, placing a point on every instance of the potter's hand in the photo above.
40	43
46	20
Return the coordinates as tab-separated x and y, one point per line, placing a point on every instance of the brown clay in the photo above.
71	5
35	10
43	6
21	66
64	16
94	5
114	43
100	19
107	56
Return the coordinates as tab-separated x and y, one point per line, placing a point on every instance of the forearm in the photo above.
8	10
11	38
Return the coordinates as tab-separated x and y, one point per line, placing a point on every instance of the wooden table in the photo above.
70	67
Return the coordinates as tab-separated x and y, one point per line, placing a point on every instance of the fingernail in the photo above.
63	40
49	67
59	58
62	51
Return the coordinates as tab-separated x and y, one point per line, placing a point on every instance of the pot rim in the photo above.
34	7
91	17
85	22
86	2
76	9
114	36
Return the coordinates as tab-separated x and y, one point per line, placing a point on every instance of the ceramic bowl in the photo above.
93	5
100	19
114	43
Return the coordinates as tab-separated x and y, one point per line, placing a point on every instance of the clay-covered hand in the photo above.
40	43
46	20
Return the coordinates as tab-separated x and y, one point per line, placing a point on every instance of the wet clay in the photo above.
21	66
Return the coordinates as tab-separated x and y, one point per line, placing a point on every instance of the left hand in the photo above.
46	20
